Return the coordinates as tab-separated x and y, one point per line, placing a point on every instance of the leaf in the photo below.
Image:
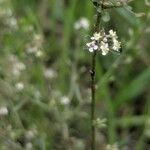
133	89
127	13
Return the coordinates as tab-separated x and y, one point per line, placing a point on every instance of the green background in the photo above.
38	111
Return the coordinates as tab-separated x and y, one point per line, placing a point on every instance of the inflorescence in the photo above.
104	42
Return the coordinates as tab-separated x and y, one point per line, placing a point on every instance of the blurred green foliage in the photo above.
45	80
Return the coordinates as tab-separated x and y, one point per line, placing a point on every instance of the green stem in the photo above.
97	26
93	101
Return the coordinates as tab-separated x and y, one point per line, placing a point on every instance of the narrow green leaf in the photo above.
133	89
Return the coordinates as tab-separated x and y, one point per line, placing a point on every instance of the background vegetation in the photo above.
45	79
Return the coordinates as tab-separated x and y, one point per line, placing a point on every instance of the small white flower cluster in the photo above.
12	22
31	134
16	65
112	147
82	23
29	146
35	46
8	18
65	100
50	73
104	42
19	86
3	111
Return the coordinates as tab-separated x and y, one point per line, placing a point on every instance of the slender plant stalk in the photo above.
101	5
93	102
97	27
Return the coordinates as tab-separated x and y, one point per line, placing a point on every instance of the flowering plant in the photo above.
104	42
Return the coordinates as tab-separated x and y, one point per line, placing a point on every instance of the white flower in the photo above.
3	111
104	47
19	86
92	46
82	23
104	42
39	53
96	36
65	100
29	146
37	94
35	46
116	44
31	50
16	65
50	73
13	22
38	37
112	34
31	134
112	147
105	39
